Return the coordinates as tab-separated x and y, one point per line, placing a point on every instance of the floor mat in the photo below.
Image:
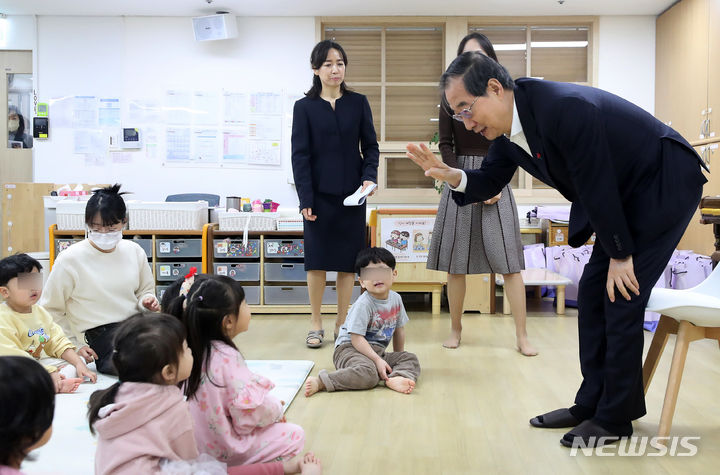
71	449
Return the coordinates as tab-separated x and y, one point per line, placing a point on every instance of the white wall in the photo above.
19	33
142	57
626	63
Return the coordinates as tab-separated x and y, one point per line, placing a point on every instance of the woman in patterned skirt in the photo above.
480	238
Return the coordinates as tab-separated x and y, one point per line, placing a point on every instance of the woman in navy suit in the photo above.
334	151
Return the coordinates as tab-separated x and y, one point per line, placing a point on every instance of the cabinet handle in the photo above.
287	266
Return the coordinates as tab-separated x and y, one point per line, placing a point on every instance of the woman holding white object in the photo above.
334	151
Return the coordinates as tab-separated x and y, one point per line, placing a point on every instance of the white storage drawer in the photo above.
330	295
169	271
178	247
293	295
283	272
252	294
245	271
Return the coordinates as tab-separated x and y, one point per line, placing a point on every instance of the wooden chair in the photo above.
691	314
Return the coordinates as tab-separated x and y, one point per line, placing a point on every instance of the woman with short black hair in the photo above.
97	283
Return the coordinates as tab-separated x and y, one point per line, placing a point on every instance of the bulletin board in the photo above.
413	275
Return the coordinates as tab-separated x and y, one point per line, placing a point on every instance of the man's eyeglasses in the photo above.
465	113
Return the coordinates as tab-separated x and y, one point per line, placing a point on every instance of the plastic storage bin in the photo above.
168	215
292	295
146	245
283	272
284	248
178	247
245	271
330	295
62	244
169	271
252	294
234	248
228	221
160	290
70	215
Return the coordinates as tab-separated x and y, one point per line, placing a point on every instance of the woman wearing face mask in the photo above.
480	238
16	129
99	282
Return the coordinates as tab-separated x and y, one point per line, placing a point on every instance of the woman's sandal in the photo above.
315	335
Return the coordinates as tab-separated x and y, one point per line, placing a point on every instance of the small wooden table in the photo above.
538	277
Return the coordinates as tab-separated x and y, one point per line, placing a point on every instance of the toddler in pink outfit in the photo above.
236	419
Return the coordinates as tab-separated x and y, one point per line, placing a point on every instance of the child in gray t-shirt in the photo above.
376	318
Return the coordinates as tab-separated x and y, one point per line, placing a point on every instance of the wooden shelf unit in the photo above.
214	233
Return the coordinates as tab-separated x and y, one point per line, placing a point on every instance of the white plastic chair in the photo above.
691	314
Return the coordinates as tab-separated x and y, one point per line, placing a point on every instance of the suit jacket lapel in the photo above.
530	130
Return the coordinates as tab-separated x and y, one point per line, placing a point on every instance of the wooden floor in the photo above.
469	413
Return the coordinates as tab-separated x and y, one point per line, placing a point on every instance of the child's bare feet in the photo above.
524	347
313	385
69	385
310	465
400	384
453	341
292	466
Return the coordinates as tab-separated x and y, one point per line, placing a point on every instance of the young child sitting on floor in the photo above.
27	329
27	399
377	317
236	419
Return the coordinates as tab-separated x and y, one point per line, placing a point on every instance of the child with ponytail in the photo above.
236	419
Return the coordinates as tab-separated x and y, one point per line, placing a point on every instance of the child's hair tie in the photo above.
189	281
200	298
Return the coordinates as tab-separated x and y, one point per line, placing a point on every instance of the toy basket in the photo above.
70	215
229	221
173	216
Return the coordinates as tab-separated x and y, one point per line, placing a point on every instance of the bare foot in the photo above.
525	348
310	465
453	341
292	466
400	384
69	385
313	384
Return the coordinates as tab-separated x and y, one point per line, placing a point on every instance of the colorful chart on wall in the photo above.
407	238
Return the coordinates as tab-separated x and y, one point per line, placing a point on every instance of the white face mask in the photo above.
13	125
105	241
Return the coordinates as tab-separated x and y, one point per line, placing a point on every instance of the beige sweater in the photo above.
88	288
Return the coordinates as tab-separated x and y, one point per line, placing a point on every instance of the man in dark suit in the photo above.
631	179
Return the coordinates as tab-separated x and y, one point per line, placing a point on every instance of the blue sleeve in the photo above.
301	156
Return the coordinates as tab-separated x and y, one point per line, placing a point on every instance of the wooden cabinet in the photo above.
713	114
681	67
687	92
